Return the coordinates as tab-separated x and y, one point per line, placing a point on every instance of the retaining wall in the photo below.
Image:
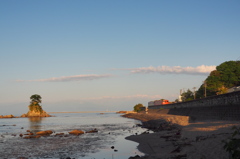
223	99
223	107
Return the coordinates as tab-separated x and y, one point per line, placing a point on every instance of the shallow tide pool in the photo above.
108	143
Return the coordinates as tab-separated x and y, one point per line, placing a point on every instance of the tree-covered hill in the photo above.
225	76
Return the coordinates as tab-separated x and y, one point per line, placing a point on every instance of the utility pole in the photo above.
194	92
180	96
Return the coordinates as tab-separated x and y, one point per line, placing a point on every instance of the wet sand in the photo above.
176	137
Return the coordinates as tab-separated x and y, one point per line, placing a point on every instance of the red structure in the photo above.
165	102
161	102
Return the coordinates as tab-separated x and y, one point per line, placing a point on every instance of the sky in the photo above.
110	55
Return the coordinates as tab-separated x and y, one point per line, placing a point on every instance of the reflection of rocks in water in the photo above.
35	123
61	146
35	119
54	146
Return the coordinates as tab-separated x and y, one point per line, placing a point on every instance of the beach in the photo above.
158	136
177	137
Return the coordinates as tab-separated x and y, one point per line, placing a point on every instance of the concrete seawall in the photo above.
220	107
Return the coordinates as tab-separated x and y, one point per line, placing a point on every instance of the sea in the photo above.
108	143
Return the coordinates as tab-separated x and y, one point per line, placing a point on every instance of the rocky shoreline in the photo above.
50	144
168	137
22	116
30	113
75	140
8	116
176	137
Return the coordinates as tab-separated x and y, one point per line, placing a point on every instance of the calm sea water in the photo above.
112	132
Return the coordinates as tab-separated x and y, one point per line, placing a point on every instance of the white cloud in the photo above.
199	70
69	78
137	96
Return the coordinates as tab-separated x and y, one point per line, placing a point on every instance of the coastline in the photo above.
177	137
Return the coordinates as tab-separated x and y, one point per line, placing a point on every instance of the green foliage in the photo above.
36	98
232	145
34	103
187	96
230	73
137	107
35	107
225	76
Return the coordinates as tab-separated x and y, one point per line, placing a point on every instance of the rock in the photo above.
24	115
92	131
36	114
47	132
8	116
37	136
22	158
59	134
27	137
121	112
36	111
135	157
126	112
1	116
31	137
76	132
177	150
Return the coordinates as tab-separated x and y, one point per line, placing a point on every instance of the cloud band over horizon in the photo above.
69	78
199	70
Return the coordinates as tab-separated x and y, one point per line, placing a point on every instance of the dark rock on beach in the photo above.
135	157
92	131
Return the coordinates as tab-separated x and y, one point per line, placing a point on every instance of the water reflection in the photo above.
35	123
112	132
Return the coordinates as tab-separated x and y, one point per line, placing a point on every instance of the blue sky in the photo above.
99	55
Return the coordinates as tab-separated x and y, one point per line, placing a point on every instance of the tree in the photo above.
36	99
225	76
186	96
34	103
230	73
137	107
214	82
